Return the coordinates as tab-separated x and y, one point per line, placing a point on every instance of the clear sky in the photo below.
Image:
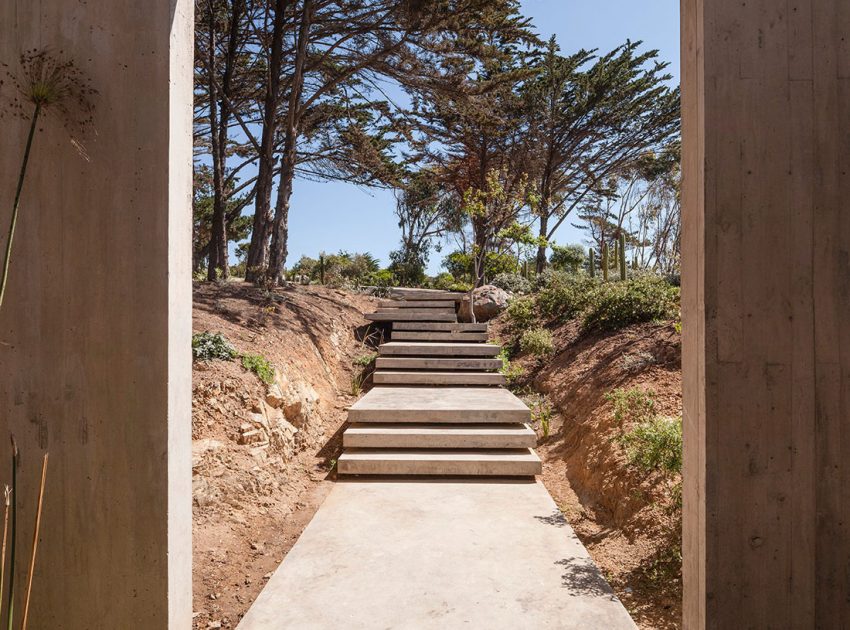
335	216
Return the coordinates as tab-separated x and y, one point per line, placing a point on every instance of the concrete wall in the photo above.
766	301
95	359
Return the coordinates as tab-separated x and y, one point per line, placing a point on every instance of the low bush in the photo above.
537	341
444	281
260	366
632	405
512	282
511	371
613	305
207	346
565	295
655	445
521	314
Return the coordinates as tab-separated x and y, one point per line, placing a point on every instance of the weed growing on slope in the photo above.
207	346
259	365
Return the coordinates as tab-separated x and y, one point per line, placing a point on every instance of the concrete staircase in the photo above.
438	406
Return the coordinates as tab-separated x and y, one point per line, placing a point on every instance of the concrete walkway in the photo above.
486	550
442	554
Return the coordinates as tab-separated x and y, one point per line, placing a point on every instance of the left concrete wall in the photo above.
95	363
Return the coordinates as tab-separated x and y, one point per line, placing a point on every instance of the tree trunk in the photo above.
257	259
541	249
480	252
280	226
217	260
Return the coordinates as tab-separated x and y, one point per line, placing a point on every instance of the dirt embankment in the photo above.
622	514
262	453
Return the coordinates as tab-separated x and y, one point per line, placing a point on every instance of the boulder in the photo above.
489	302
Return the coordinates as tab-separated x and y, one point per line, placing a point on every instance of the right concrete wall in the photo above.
766	313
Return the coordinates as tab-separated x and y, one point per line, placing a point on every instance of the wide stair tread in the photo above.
440	326
404	315
410	335
425	348
393	377
496	463
437	363
439	404
427	436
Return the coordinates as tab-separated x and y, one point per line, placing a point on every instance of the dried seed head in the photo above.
54	86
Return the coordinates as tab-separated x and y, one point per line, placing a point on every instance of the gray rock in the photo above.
489	302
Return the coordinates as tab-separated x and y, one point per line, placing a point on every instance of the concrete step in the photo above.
452	405
411	316
425	294
406	335
461	436
431	363
426	311
424	348
416	304
388	377
442	327
492	463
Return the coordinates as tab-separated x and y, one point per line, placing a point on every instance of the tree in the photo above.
589	116
567	258
222	74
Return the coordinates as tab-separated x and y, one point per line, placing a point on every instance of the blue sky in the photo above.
333	216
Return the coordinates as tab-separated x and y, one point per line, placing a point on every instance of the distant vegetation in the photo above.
501	138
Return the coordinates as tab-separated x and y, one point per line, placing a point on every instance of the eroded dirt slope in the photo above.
261	454
623	515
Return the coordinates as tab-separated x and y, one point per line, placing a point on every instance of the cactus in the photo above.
605	262
622	251
591	262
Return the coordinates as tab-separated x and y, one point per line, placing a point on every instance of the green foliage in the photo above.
512	282
512	372
341	269
566	295
408	264
605	262
382	278
365	360
521	314
462	264
614	305
632	405
444	281
567	258
541	413
260	366
537	341
207	346
591	263
655	444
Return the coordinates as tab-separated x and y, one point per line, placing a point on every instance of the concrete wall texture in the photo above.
95	361
766	313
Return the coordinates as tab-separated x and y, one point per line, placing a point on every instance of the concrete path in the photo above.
450	550
419	554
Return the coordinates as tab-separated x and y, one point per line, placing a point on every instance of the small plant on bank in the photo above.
633	405
259	365
537	341
512	282
655	444
365	362
520	314
207	346
614	305
566	295
541	414
512	372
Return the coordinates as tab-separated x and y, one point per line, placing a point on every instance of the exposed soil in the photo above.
261	469
625	517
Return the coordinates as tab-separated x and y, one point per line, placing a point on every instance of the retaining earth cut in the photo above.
438	521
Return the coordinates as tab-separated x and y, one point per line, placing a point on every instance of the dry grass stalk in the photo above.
35	541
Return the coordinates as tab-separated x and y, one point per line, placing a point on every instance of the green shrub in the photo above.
207	346
520	314
365	360
260	366
566	295
381	278
537	341
567	257
444	281
510	371
655	445
613	305
512	282
632	405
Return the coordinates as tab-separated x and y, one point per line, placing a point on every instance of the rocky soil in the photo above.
262	453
